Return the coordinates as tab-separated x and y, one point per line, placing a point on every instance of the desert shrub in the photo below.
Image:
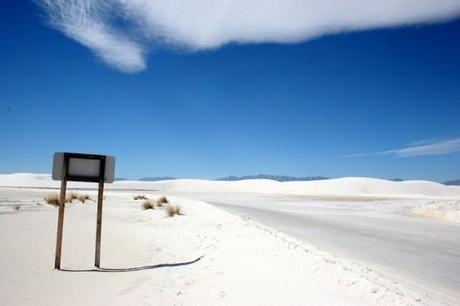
140	197
162	200
17	207
83	198
148	204
52	199
71	196
172	210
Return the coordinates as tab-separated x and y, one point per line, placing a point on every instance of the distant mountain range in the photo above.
453	183
279	178
157	178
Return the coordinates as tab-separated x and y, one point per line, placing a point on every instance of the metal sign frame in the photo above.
100	197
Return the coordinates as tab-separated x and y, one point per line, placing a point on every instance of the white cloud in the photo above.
425	148
89	22
121	31
436	148
354	155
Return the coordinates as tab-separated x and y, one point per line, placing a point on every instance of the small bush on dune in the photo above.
71	196
172	210
162	200
83	198
140	197
17	207
52	199
148	205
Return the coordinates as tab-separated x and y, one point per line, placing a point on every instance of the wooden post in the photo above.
60	227
100	199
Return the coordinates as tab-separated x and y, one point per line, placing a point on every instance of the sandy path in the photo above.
423	252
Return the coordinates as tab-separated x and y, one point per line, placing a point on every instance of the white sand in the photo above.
242	262
447	211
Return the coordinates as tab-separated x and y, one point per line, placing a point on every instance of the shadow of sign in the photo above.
134	269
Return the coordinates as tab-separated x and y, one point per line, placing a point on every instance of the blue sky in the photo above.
347	104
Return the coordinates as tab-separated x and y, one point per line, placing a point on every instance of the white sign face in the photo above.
83	167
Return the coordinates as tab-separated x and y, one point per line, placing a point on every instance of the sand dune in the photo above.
446	211
349	186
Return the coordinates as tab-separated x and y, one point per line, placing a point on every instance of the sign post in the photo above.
100	198
57	259
82	168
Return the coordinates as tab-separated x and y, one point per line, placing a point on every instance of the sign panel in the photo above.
84	167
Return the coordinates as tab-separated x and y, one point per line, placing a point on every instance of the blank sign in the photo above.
83	167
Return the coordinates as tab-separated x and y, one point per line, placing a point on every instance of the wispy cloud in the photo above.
121	32
436	148
90	23
355	155
425	148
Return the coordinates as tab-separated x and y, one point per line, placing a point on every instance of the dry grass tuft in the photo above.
140	197
52	199
71	196
148	205
162	200
172	210
83	198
